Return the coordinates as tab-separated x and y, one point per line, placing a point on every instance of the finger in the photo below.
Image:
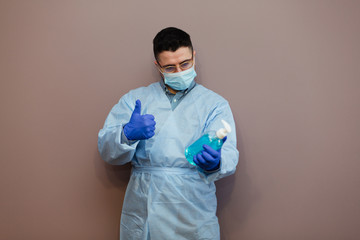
224	139
149	122
149	117
195	160
150	134
210	150
137	107
150	128
208	157
200	159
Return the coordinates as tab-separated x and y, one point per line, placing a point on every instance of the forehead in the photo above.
169	57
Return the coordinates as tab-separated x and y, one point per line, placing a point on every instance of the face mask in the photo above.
180	80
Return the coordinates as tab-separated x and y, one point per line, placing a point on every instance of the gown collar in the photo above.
166	90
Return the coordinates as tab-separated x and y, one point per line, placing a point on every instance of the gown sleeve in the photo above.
113	145
229	152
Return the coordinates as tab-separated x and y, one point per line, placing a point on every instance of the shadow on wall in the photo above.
235	196
111	175
115	179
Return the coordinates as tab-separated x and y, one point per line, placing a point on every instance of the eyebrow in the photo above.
172	65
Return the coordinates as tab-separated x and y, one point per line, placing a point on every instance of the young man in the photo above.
167	197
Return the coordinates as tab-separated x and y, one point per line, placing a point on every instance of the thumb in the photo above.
137	107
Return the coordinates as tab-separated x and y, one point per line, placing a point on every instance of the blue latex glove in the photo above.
209	158
140	126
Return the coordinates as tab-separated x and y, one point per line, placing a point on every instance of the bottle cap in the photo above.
222	132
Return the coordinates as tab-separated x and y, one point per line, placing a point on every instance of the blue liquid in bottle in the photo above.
212	138
209	139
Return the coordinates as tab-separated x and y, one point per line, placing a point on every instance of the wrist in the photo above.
216	167
126	131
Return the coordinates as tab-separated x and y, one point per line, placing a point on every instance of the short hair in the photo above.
171	39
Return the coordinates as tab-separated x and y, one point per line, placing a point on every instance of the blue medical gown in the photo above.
166	197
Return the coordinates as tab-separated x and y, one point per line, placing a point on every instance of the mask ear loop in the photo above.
157	65
193	58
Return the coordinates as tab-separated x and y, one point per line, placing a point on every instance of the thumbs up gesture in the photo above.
140	126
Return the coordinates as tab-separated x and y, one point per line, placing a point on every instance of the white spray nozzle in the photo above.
222	132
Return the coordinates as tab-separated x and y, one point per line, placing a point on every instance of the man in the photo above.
167	197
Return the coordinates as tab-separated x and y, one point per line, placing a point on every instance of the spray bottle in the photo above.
212	138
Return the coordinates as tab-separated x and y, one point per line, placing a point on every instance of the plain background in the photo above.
290	70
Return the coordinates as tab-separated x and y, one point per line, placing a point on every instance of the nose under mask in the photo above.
180	80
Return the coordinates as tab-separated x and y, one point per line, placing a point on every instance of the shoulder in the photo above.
146	89
141	92
206	95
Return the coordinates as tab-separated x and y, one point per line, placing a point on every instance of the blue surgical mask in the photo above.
180	80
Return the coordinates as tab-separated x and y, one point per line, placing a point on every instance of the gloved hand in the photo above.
209	158
140	126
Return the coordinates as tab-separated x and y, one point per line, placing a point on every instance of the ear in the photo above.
194	52
157	65
158	68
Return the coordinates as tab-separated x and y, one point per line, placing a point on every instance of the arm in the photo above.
113	145
229	153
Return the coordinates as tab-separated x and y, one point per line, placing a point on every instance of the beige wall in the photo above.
290	70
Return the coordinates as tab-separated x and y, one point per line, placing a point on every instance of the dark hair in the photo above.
170	39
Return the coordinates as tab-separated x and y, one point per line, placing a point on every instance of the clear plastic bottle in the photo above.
212	138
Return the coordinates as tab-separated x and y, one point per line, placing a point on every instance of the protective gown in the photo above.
166	197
